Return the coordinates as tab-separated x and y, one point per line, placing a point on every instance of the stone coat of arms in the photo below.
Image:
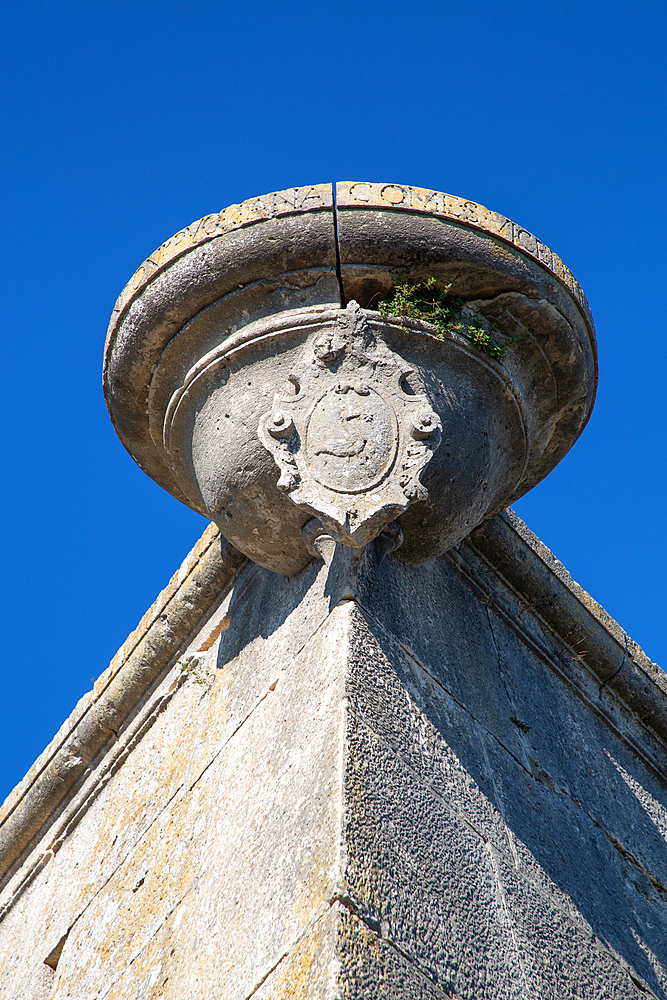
351	444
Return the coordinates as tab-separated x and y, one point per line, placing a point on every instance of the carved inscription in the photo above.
317	197
348	194
351	194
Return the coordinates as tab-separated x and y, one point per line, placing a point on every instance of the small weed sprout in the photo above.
195	668
421	300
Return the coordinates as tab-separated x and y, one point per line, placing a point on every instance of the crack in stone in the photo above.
339	272
375	927
501	673
345	900
618	670
173	597
114	873
111	765
156	930
112	758
319	915
156	709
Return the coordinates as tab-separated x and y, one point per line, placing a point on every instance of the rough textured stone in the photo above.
546	846
372	967
365	780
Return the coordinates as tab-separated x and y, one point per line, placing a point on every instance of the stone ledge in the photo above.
512	550
505	544
96	720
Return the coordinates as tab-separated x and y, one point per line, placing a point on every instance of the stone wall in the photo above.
363	781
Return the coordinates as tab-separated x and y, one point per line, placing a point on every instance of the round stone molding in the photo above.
248	371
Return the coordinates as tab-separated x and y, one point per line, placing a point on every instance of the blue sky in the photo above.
122	123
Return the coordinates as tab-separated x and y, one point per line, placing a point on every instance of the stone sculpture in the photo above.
351	445
413	777
251	370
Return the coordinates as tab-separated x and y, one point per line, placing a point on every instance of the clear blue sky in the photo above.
124	122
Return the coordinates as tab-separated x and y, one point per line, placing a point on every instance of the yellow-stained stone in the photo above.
313	198
386	783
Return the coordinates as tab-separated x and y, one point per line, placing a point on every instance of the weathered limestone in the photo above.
373	742
205	576
366	780
248	371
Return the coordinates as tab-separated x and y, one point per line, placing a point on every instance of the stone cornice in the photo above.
349	194
506	546
94	725
548	590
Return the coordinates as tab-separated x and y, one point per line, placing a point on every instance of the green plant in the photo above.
421	300
195	668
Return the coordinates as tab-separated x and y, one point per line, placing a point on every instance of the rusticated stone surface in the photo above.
367	780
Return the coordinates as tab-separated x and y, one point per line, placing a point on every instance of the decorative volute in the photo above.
249	371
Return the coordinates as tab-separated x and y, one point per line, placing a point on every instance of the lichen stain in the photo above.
301	975
125	822
168	875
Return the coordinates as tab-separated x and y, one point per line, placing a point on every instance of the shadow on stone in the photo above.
496	737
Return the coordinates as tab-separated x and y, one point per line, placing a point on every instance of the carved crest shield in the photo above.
352	441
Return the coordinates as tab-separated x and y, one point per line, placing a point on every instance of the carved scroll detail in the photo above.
351	445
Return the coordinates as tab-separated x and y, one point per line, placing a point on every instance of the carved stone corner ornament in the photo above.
240	381
351	445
